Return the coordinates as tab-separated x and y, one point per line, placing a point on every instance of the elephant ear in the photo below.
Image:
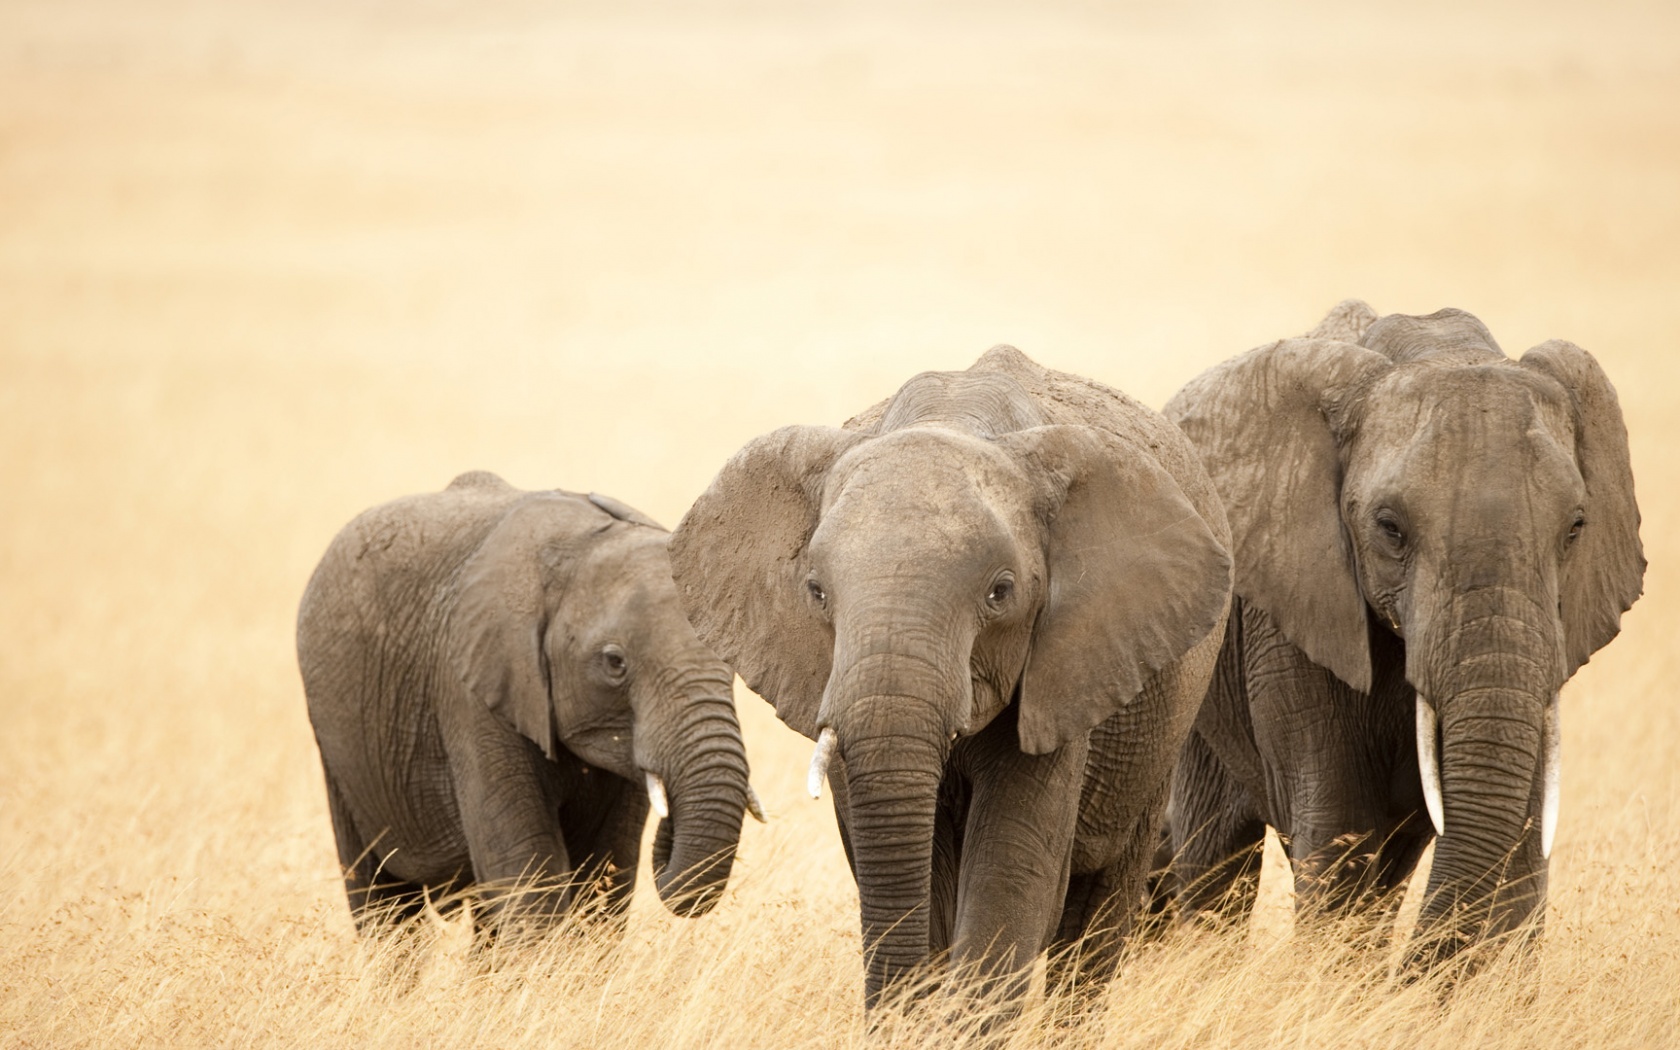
1262	422
494	637
738	561
1606	570
1136	578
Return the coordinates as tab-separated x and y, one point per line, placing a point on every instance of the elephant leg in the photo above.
1217	837
1016	850
1216	821
1160	892
510	819
1399	854
1404	829
1331	756
1350	847
1102	907
376	898
1392	863
948	827
601	822
1074	961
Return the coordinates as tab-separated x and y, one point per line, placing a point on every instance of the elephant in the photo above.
994	602
500	682
1430	538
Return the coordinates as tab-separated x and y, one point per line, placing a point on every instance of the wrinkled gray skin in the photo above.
491	673
1412	513
1002	589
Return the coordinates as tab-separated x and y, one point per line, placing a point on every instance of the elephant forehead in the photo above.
925	471
1493	431
624	564
925	490
1486	406
622	586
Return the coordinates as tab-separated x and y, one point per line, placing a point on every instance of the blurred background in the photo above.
264	264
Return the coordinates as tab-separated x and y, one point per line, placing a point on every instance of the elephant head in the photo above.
890	591
1480	509
567	626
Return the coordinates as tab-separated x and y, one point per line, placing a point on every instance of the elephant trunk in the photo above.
898	694
694	847
1493	705
892	783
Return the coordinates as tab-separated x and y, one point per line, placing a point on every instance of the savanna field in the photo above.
264	264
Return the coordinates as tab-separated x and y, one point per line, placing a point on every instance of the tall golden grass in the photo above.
263	265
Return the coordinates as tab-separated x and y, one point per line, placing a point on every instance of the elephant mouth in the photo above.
659	801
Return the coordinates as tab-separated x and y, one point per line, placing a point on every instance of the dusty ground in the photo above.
265	264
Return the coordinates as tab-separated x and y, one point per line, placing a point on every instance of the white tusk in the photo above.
1552	743
755	807
819	762
656	795
1429	764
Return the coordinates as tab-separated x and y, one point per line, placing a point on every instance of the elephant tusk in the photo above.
819	761
1552	742
755	807
1429	764
656	795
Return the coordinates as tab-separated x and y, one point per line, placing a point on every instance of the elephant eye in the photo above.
1575	526
818	595
1390	528
612	659
1000	592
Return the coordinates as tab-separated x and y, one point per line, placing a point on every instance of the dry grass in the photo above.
264	264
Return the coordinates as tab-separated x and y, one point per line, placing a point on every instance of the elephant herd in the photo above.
1040	635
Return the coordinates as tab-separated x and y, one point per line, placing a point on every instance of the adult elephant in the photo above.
498	681
994	602
1430	538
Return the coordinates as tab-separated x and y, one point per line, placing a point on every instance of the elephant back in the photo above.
400	550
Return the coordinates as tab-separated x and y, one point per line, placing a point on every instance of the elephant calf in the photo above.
994	602
493	676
